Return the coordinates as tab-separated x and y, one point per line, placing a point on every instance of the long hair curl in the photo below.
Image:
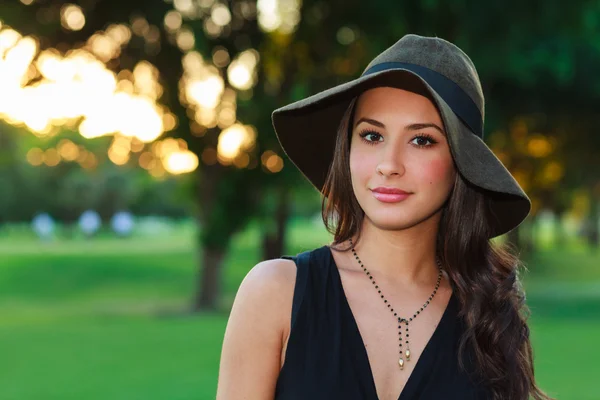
484	274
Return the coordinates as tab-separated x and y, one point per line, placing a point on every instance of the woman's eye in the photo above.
371	137
422	141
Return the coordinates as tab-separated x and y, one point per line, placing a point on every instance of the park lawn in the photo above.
566	355
111	357
105	320
177	358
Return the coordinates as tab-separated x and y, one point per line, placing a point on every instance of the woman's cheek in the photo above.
360	166
435	171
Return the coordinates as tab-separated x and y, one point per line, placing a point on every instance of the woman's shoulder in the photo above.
267	290
279	274
271	275
307	252
275	278
257	325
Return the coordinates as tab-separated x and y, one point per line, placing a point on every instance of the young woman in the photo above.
412	300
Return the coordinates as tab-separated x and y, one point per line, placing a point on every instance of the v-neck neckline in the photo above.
420	363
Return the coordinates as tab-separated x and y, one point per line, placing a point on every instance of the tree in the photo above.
523	65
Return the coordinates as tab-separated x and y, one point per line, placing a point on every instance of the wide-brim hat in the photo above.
307	129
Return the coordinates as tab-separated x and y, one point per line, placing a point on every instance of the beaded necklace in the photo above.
400	319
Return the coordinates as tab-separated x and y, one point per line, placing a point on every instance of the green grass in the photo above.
566	355
111	357
105	319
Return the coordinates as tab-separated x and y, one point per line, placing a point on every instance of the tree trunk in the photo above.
592	231
208	283
514	237
274	239
209	280
560	239
523	237
530	244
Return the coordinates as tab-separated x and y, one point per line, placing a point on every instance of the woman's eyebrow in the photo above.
411	127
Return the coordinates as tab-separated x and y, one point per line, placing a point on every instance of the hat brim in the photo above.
306	130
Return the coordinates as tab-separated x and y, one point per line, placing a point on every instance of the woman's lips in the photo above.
390	197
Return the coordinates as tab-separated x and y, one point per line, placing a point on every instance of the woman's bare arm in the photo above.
255	333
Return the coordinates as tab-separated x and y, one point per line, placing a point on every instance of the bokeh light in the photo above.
185	7
233	141
271	161
119	33
68	150
35	156
173	20
185	39
282	16
47	89
139	25
242	71
220	14
179	162
76	89
72	17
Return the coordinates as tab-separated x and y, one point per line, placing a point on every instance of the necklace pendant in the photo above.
407	354
401	363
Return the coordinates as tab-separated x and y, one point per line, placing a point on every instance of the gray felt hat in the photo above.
448	74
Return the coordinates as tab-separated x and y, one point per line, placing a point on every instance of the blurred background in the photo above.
140	177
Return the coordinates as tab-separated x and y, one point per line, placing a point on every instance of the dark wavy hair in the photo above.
484	274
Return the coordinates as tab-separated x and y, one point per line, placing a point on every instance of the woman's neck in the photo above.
405	257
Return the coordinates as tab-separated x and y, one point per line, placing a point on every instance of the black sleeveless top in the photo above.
326	358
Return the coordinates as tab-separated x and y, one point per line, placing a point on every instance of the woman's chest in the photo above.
362	349
385	342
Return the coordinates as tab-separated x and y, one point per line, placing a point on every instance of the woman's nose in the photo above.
390	162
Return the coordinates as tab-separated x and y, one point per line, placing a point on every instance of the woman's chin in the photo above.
398	217
390	219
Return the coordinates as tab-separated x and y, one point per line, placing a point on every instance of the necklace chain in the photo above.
400	319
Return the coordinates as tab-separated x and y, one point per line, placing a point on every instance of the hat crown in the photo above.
438	55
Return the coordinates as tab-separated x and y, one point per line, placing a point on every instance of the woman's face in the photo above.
398	142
